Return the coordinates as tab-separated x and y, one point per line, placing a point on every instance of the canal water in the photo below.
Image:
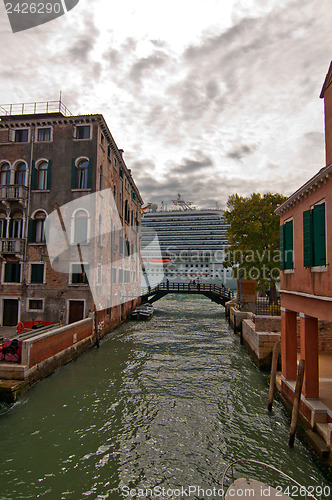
161	406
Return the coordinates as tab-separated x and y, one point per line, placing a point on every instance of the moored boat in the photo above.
144	312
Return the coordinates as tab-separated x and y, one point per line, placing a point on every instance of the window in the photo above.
22	135
15	225
314	236
81	174
44	134
286	246
78	276
42	175
99	274
82	132
20	174
101	178
12	272
113	274
5	174
3	225
35	304
81	220
37	273
36	233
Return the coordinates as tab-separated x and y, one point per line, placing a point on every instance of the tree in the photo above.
253	237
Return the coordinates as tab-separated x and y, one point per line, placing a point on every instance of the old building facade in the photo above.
306	279
50	160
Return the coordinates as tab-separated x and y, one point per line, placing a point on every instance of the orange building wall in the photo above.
304	279
328	124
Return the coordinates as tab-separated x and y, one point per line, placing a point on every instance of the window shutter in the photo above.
8	267
282	247
46	230
48	186
319	235
33	175
17	273
73	174
31	231
90	174
11	135
288	243
37	273
307	239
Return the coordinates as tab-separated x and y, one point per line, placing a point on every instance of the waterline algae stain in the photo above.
161	407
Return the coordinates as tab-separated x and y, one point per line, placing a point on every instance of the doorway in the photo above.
10	312
76	310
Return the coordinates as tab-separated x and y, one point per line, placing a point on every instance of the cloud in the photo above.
145	65
241	151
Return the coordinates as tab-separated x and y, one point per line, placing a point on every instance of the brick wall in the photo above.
47	345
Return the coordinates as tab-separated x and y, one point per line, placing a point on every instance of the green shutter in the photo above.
307	239
282	247
90	174
48	185
37	273
288	245
73	174
319	235
31	231
33	176
18	273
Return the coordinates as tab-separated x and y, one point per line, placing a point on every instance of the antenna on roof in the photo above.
184	205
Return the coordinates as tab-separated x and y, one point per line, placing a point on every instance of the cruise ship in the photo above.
184	244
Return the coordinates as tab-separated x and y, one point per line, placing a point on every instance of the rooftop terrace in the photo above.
34	108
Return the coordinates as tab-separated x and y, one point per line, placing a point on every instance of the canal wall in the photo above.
259	335
44	353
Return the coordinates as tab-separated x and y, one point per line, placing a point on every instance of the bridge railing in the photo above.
191	287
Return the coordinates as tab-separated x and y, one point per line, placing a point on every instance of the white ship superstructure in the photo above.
190	246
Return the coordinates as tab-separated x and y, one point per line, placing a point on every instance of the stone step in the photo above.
318	444
325	431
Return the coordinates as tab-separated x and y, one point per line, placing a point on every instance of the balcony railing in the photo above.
33	108
12	246
15	192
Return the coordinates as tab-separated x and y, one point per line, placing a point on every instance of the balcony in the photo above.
12	246
15	192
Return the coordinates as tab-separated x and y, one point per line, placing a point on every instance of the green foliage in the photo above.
253	237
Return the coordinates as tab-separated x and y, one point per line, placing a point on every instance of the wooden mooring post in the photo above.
296	404
274	366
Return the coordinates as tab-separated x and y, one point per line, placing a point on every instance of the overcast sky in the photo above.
206	97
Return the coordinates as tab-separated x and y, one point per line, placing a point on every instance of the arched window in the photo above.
82	174
3	225
42	172
20	174
16	225
37	227
39	220
5	174
81	219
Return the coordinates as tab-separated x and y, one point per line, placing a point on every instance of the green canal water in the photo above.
164	405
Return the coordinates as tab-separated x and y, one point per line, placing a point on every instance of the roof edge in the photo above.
312	184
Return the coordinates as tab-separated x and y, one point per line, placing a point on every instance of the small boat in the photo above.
144	311
284	487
